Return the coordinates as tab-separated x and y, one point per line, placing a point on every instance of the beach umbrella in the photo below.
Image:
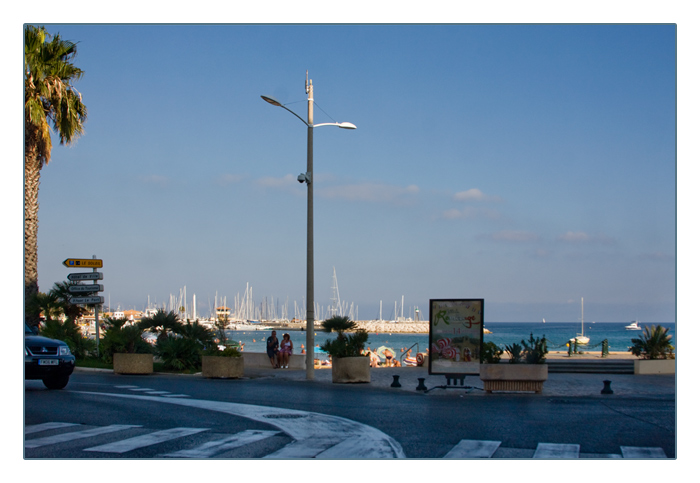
381	349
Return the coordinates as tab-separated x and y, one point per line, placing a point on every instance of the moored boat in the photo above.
633	326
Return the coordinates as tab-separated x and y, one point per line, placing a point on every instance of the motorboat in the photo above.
633	326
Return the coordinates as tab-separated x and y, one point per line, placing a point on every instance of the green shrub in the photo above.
345	345
535	350
491	353
179	353
122	338
515	351
655	343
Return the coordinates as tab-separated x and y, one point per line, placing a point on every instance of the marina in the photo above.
557	334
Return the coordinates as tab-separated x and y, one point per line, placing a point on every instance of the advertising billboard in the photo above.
456	336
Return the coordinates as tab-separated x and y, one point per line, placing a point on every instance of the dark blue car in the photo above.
47	359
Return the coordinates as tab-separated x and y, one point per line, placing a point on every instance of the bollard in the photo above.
421	384
396	382
605	352
606	388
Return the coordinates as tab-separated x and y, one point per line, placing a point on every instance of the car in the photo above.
47	359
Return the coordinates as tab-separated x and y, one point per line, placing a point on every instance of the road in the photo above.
102	415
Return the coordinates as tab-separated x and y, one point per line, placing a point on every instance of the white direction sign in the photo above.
76	277
86	288
87	300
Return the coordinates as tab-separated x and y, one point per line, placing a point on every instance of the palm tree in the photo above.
162	323
50	101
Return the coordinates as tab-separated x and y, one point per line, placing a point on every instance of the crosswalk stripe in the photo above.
65	437
212	448
145	440
557	451
468	448
634	452
305	449
36	428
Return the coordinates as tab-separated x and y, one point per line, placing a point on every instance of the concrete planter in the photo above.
513	377
350	370
655	366
132	363
222	367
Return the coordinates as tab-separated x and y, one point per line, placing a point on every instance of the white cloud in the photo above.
513	236
471	213
582	237
277	182
156	179
372	192
228	178
474	194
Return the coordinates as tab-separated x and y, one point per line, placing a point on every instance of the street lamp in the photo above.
308	179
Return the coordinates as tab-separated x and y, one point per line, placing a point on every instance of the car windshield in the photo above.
28	330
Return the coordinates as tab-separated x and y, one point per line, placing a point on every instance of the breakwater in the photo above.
375	326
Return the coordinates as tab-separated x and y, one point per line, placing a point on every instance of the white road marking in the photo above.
557	451
45	427
212	448
307	428
65	437
634	452
145	440
469	448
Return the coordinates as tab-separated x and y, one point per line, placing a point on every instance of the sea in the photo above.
503	333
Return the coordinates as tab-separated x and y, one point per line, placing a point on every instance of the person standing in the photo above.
273	349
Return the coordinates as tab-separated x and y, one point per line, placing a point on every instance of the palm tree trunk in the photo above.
32	170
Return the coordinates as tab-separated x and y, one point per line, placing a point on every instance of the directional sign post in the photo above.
87	300
87	290
77	277
83	263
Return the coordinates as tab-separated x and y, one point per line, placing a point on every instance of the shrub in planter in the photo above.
491	353
179	353
527	370
535	350
349	365
121	337
226	363
655	343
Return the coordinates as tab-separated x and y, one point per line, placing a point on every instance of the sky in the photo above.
530	165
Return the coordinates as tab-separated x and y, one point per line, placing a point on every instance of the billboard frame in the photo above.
456	336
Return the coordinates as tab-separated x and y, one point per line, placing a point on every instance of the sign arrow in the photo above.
76	277
87	300
83	262
86	288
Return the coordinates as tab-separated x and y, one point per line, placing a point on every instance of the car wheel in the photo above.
58	382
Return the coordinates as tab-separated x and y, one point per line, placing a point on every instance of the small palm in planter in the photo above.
655	352
123	345
349	365
223	364
526	371
655	343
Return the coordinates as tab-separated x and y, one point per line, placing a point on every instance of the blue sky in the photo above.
529	165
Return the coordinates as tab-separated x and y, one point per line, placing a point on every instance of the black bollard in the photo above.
606	388
396	382
421	384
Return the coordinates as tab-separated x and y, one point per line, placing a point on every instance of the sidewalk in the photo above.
557	384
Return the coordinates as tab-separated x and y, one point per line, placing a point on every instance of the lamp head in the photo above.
272	101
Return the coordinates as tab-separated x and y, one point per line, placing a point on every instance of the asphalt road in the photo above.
271	415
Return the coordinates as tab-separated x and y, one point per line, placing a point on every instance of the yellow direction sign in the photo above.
83	263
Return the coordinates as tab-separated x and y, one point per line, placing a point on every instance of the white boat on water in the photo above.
581	338
633	326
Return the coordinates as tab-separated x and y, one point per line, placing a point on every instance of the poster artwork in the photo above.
456	336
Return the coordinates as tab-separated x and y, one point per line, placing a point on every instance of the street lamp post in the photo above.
308	179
